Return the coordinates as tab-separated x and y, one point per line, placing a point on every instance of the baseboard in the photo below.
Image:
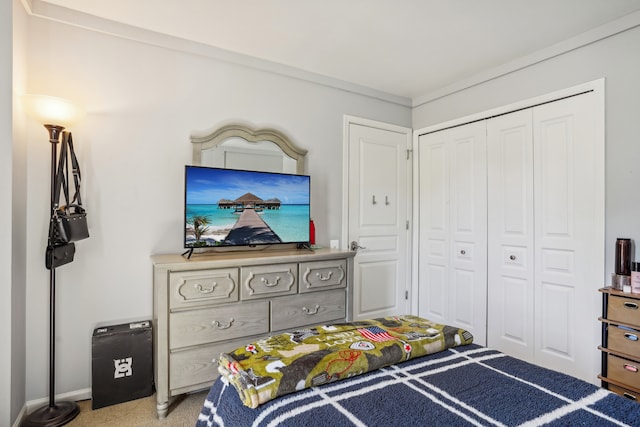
32	405
21	416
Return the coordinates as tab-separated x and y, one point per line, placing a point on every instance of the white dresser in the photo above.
220	301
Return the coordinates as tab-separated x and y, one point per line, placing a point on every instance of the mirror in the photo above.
238	146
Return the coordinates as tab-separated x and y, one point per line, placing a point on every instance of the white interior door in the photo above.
377	197
434	233
545	234
510	301
568	194
452	257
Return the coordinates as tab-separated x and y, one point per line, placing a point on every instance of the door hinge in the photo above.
407	225
406	294
409	151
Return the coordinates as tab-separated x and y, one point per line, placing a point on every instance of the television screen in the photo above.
230	207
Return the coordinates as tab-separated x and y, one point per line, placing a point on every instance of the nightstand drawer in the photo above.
623	340
208	325
629	394
623	370
191	288
268	280
624	310
309	309
321	275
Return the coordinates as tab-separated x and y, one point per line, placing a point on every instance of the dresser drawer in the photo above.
623	340
320	275
309	309
623	370
208	325
629	394
268	280
624	310
198	367
191	288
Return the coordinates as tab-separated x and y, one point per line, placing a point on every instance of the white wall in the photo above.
6	137
19	223
614	58
13	196
143	103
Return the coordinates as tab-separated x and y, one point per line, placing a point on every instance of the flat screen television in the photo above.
232	208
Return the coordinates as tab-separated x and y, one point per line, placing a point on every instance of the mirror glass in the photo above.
238	146
238	153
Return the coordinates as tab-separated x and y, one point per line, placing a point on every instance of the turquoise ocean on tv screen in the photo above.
290	222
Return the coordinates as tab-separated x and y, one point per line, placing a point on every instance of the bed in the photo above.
459	384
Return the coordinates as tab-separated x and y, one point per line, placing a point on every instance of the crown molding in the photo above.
45	10
600	33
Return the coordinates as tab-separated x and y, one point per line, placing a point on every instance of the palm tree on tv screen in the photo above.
200	226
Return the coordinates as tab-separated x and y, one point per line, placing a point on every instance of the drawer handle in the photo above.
265	281
631	305
324	278
223	326
463	252
630	368
310	311
512	257
204	290
631	337
629	395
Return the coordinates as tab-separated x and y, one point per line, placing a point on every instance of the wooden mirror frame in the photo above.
237	130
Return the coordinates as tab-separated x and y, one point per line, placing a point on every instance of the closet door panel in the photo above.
510	299
513	319
463	292
557	323
433	247
434	297
567	240
555	154
468	213
452	218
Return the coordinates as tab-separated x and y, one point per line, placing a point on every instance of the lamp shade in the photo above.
50	110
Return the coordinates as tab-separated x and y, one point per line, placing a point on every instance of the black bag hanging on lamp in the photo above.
60	247
68	222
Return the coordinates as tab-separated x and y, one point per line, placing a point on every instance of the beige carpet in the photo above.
141	413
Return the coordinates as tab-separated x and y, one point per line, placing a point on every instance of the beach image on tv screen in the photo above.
228	207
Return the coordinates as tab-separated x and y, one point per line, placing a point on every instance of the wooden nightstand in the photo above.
620	343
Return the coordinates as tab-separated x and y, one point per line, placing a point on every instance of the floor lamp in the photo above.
49	110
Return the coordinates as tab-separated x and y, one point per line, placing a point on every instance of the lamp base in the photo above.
52	416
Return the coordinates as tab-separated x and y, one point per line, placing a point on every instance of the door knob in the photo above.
355	246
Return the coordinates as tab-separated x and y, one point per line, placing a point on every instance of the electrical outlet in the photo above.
334	244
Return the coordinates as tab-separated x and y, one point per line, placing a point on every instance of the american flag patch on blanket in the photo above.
375	333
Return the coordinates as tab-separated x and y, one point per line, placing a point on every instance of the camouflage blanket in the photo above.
292	361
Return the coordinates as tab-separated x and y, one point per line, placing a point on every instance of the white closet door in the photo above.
568	240
433	251
453	207
510	300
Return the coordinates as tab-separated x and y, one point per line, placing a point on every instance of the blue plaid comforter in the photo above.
462	386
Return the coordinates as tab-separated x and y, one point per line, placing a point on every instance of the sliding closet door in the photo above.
452	261
568	194
510	249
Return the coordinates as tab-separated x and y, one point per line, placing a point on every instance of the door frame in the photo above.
349	120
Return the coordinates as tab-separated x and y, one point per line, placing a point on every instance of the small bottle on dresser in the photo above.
635	277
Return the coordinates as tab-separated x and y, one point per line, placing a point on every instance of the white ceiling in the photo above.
407	48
